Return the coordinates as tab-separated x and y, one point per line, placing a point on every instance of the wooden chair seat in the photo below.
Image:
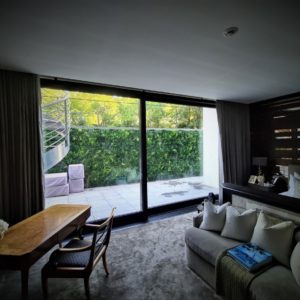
78	257
59	259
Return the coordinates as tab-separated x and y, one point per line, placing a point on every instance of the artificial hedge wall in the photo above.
111	156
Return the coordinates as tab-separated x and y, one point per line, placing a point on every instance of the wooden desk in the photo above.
27	241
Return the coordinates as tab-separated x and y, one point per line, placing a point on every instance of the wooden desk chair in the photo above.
78	257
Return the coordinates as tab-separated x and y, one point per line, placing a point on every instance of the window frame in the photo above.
144	96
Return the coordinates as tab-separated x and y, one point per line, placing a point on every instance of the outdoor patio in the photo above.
126	197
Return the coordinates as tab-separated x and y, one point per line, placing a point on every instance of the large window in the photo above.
118	139
104	137
182	152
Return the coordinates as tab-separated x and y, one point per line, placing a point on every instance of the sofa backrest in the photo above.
243	203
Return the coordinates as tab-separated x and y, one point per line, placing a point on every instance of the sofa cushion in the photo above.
213	216
207	244
239	226
76	171
277	283
275	236
295	263
55	179
296	237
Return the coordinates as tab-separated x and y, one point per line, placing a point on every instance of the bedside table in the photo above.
270	188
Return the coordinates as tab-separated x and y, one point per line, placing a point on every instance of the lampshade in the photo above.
259	161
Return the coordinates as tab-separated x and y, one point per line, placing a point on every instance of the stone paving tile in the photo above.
126	197
99	204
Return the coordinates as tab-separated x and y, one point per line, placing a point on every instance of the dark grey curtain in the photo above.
21	189
234	127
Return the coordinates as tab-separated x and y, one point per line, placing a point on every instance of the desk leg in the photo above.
24	276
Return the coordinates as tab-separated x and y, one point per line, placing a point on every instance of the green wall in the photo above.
111	156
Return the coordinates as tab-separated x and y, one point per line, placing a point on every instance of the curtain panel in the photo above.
234	127
21	188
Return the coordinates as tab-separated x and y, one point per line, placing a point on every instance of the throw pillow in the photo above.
239	226
213	216
275	236
295	263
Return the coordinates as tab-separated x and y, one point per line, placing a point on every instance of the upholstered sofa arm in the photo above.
198	220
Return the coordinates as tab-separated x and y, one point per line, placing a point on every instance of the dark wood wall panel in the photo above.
275	130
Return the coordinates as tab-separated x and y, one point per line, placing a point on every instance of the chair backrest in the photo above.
101	238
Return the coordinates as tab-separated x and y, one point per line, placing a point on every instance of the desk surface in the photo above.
28	235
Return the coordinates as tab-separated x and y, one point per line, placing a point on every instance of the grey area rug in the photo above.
145	261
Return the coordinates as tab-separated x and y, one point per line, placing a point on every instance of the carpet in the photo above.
146	261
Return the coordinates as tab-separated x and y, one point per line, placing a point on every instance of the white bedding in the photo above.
294	182
288	193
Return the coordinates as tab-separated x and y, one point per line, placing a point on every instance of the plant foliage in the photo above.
105	138
111	156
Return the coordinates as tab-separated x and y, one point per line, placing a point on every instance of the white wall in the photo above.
210	148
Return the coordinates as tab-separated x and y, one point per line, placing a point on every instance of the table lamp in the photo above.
259	162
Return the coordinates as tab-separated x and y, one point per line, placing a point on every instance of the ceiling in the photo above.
168	46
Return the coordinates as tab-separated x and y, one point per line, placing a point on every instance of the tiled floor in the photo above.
126	197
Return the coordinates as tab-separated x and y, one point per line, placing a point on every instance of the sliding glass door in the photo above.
182	152
118	139
104	137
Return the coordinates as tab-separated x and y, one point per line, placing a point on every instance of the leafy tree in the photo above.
89	109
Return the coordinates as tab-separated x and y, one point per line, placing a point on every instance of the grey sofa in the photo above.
203	248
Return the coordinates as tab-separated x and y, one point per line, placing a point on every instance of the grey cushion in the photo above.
276	283
200	266
297	235
239	226
213	216
275	236
295	263
207	244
